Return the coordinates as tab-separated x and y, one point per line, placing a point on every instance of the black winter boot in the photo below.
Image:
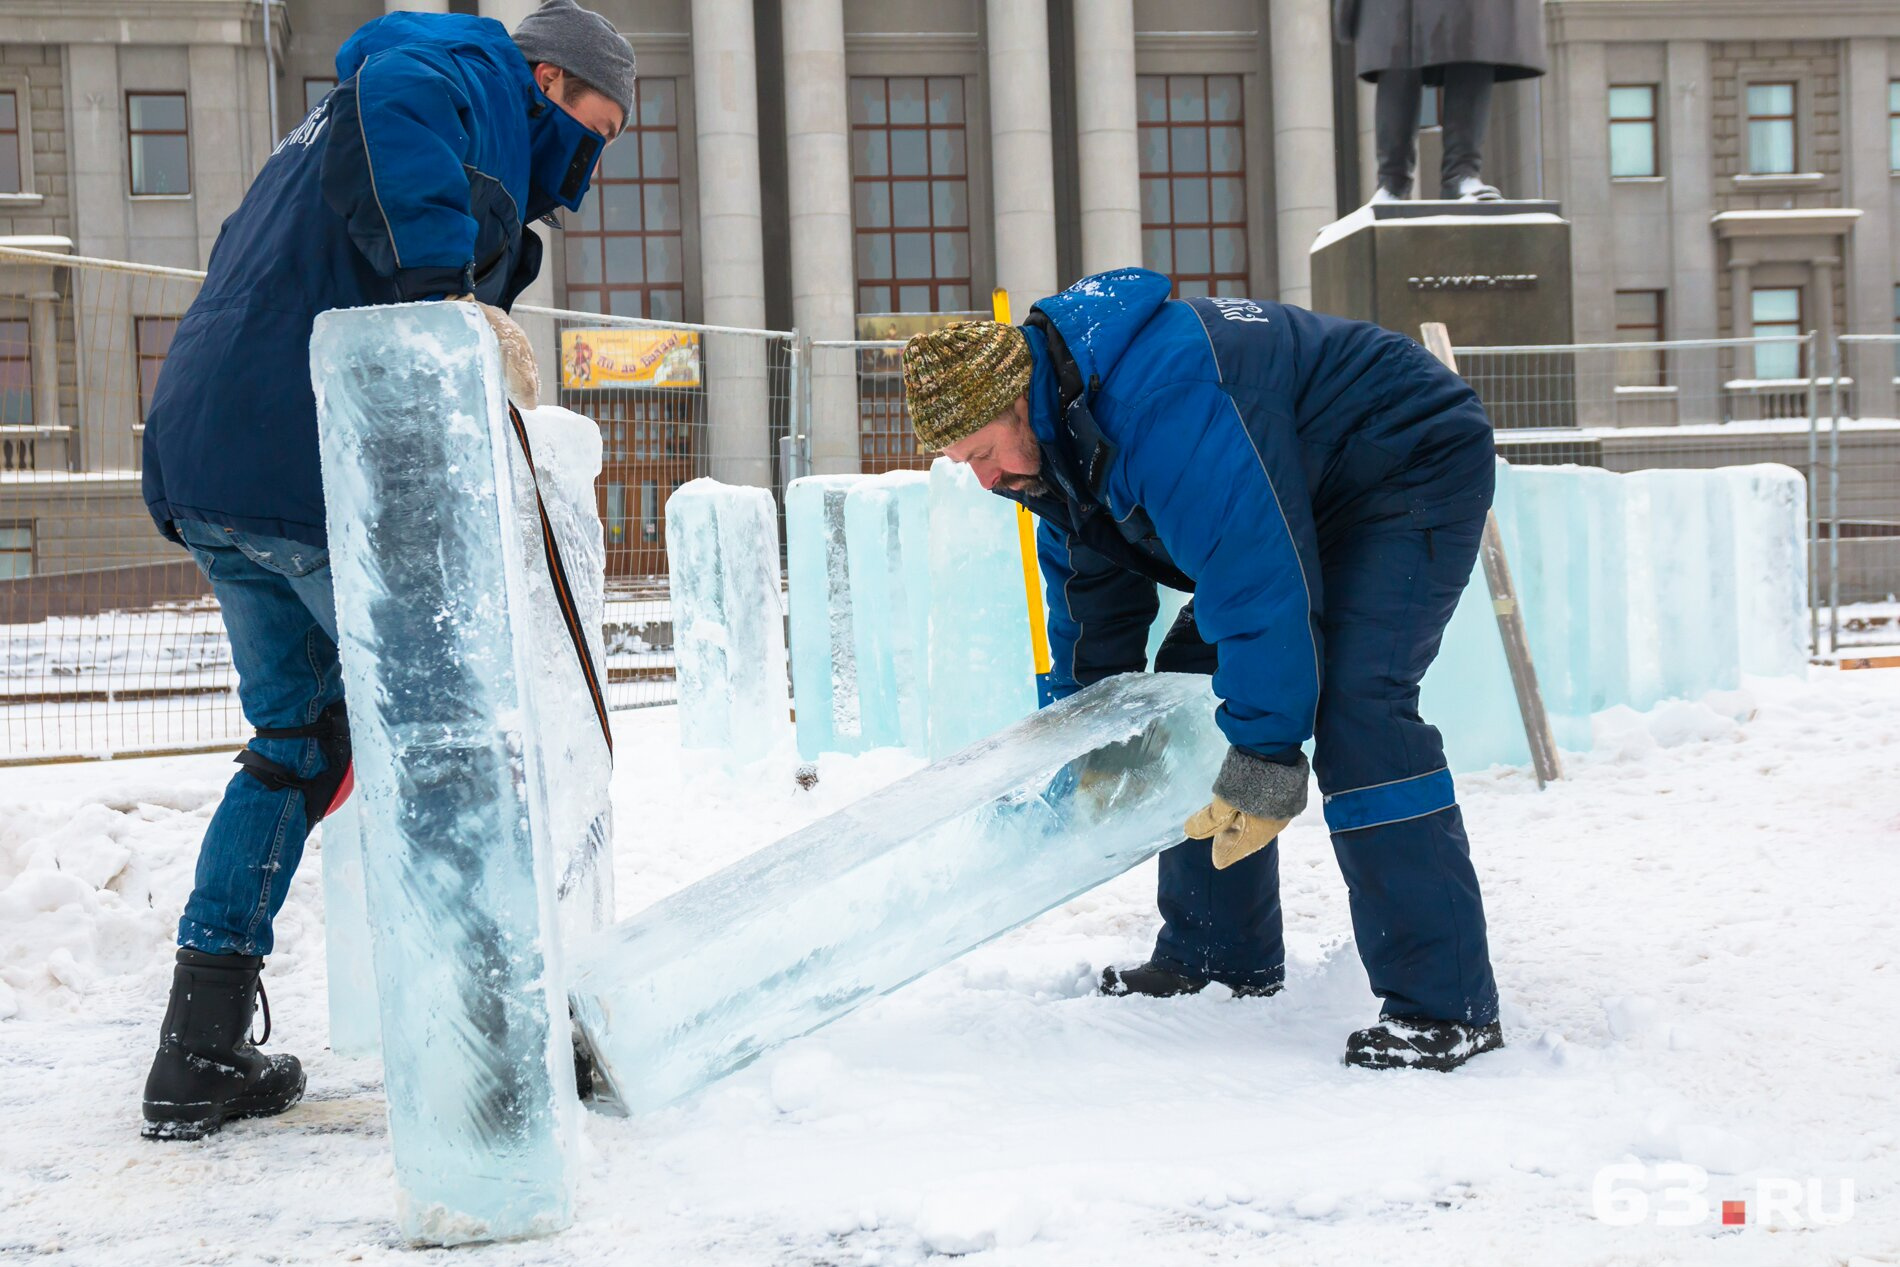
207	1070
1159	982
1414	1043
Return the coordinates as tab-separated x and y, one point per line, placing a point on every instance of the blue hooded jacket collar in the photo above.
1099	316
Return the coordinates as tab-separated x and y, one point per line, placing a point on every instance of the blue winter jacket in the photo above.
1218	446
414	178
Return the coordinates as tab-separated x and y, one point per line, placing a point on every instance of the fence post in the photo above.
795	448
1545	759
1814	516
1834	502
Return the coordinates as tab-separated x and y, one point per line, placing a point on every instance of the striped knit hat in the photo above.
958	381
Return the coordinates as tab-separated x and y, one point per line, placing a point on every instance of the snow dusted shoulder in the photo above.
1692	933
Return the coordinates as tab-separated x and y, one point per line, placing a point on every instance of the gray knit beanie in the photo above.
582	43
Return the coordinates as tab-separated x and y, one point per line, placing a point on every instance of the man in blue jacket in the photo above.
1320	487
415	179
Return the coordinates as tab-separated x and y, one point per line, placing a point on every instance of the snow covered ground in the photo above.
1695	937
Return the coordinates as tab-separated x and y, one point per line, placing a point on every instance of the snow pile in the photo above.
1693	933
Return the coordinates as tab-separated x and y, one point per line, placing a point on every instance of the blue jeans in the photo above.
280	614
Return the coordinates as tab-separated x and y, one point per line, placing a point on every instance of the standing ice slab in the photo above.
431	584
728	618
982	668
887	542
824	643
857	904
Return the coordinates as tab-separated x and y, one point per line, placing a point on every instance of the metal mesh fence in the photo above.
110	641
1674	384
1859	493
866	382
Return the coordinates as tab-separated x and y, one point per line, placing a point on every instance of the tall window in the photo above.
159	141
1193	182
1633	130
16	551
1771	147
1893	125
10	164
625	252
910	182
1639	319
152	339
315	89
1777	311
16	372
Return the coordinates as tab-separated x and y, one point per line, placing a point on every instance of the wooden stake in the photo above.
1545	759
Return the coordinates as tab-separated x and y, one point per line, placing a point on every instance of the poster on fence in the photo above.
629	358
888	326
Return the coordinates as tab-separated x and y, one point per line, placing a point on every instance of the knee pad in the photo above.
323	791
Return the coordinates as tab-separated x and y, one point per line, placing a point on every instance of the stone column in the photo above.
430	6
1300	32
1106	137
1741	314
540	292
1022	164
1869	248
43	338
824	278
1586	132
732	255
1693	304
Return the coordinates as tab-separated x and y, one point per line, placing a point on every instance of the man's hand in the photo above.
517	354
1235	834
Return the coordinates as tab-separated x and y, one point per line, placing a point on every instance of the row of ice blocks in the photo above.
1635	588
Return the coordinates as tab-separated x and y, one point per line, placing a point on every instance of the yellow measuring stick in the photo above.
1026	537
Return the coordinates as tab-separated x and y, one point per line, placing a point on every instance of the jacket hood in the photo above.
1099	316
444	30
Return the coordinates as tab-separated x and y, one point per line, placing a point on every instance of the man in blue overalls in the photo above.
415	179
1320	486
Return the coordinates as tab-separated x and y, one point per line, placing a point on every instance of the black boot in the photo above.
207	1070
1160	982
1414	1043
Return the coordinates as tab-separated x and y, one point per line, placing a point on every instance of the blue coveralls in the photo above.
1320	486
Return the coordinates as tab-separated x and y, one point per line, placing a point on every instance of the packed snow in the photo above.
1693	934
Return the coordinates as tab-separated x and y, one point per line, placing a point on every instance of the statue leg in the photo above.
1467	116
1396	117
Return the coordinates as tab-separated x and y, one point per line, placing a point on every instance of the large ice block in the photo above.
431	587
887	544
857	904
1771	560
567	454
1684	639
982	668
824	639
355	1030
728	618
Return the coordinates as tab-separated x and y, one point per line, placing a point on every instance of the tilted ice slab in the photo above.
431	580
859	903
728	618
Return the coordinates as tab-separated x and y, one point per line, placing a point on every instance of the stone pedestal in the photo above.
1495	273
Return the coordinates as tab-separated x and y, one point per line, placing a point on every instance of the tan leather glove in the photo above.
517	354
1236	835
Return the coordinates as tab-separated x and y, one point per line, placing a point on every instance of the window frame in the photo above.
140	356
32	552
1792	119
308	104
24	358
131	134
19	157
1658	332
1799	325
1893	126
1652	120
1237	281
600	293
936	283
14	80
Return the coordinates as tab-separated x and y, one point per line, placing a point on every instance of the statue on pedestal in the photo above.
1462	46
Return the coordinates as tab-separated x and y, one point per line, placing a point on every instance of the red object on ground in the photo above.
1734	1212
343	789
